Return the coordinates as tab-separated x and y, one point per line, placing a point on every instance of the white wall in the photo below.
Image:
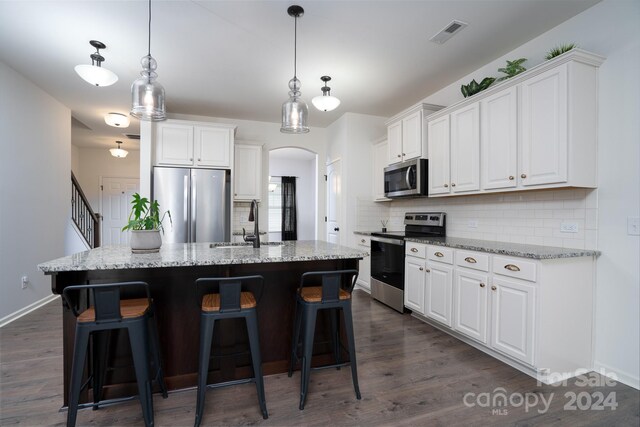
75	159
97	163
611	29
270	136
35	187
350	139
305	171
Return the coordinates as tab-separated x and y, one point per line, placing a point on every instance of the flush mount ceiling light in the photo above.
325	102
146	93
118	152
117	120
295	110
94	74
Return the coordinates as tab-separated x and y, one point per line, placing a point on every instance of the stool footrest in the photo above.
335	365
232	382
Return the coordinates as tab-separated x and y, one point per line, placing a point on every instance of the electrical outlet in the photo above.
24	282
569	227
633	226
473	223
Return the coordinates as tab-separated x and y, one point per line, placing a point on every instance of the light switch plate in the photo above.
569	227
473	223
633	226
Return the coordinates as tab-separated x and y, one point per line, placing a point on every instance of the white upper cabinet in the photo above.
247	173
380	151
394	138
465	149
499	136
439	156
212	146
183	143
174	144
405	134
544	128
536	130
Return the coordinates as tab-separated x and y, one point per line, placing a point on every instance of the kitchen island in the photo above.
171	274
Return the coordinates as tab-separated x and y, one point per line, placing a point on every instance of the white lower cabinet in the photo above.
364	270
515	309
470	296
414	276
512	318
439	291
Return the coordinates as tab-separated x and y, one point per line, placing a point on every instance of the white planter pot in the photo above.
145	241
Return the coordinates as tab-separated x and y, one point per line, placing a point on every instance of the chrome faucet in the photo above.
253	216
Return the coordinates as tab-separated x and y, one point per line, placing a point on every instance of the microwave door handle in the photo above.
407	178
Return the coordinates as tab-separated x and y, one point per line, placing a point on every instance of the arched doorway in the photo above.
302	165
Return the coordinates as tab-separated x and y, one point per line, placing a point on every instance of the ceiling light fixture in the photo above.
325	102
94	74
117	120
118	152
146	93
295	110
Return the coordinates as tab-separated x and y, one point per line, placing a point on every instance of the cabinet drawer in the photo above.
440	254
475	260
514	267
417	250
364	241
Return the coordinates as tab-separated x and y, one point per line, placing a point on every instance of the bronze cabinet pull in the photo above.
524	175
482	285
421	269
511	178
470	260
428	270
414	250
453	184
439	254
493	288
446	186
512	267
363	241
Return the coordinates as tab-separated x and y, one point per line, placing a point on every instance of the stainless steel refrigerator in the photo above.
199	201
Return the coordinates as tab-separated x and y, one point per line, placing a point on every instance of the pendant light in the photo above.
95	74
295	110
117	120
118	152
325	102
146	93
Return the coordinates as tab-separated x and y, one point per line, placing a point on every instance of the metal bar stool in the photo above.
230	301
107	313
311	299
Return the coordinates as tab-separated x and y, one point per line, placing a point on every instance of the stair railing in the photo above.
87	221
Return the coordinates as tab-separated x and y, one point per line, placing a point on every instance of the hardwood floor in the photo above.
410	373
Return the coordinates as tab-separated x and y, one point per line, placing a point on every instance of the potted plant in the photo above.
145	224
559	50
513	68
474	87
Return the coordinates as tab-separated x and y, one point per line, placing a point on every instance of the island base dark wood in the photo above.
178	316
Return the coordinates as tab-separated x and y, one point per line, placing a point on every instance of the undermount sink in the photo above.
229	245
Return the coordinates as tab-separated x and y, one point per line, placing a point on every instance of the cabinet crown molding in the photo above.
575	55
197	123
413	109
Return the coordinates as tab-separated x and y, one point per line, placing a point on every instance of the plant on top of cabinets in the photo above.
474	87
513	68
559	50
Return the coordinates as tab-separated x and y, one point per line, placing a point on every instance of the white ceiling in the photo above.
234	58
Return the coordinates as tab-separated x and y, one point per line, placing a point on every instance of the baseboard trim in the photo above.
26	310
622	376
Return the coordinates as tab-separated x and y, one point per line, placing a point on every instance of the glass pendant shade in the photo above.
147	95
294	111
326	102
118	152
96	75
117	120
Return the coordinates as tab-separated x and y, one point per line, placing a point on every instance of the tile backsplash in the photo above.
533	217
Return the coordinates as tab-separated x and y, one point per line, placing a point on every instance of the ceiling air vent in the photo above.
447	32
132	135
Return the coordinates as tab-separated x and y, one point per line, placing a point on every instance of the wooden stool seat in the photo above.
129	308
211	302
314	294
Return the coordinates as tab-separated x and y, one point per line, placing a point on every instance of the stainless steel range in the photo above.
387	255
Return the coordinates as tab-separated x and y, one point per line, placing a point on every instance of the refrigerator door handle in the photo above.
194	205
185	203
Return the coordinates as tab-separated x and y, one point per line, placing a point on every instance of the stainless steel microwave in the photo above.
406	179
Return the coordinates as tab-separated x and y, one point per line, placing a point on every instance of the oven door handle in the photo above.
386	240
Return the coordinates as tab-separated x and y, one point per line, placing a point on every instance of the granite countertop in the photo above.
505	248
195	254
